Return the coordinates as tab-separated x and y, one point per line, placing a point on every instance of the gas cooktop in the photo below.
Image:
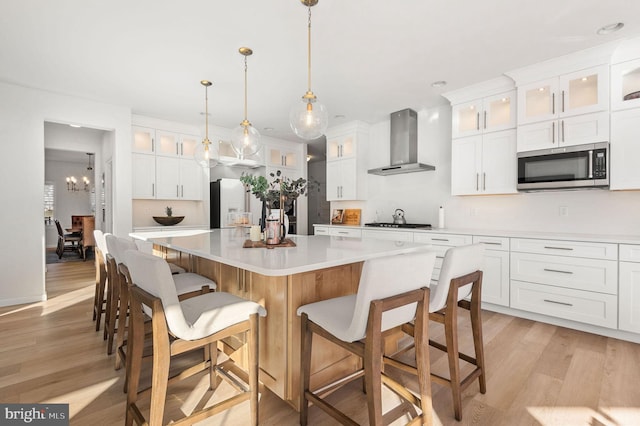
399	225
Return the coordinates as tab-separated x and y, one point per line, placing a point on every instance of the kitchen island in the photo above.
281	279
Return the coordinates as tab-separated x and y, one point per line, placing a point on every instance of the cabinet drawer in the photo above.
317	230
388	235
492	243
629	253
582	274
583	306
349	232
442	239
566	248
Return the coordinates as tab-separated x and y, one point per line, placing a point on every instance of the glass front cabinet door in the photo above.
489	114
625	85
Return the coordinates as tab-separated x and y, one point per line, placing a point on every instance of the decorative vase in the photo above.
283	218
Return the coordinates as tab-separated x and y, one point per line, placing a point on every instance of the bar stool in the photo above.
460	277
99	301
392	291
182	326
187	284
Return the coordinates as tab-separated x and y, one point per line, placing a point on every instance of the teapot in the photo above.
398	217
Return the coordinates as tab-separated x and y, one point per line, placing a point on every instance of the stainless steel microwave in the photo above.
571	167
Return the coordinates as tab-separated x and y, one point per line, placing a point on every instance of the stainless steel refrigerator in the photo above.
228	196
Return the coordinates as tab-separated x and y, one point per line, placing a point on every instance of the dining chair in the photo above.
183	326
391	292
66	242
99	300
459	286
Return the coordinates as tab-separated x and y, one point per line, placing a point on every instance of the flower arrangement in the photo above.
280	186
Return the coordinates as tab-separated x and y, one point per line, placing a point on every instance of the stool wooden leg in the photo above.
123	310
110	327
253	346
135	346
421	342
160	375
476	327
305	368
373	364
98	307
451	336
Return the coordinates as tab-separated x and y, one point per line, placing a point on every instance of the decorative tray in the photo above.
261	244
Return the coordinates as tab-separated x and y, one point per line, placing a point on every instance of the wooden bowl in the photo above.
168	220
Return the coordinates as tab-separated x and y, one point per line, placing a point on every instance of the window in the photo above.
49	198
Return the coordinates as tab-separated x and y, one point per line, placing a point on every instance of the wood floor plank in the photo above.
537	374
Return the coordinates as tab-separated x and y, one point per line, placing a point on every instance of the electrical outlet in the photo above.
564	211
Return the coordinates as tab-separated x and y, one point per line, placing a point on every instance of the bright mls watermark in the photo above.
34	414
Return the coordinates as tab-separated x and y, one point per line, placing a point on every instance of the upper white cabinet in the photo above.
625	85
577	130
579	92
489	114
279	156
163	165
484	164
625	149
346	165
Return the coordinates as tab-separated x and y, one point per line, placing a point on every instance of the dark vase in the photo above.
263	216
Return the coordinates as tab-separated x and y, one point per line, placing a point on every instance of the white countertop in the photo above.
311	253
602	238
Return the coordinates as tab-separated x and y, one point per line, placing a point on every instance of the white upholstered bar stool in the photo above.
147	247
459	286
99	301
392	291
187	285
181	326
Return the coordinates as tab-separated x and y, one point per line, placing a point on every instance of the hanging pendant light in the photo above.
245	139
309	119
205	154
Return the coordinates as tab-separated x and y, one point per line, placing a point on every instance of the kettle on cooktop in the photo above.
398	217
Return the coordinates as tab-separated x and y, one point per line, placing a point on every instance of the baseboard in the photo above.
23	300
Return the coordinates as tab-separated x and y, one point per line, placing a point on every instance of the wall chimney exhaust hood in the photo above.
404	146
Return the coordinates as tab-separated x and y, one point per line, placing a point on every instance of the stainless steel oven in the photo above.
571	167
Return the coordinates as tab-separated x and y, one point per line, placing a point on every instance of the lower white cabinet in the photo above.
342	180
576	305
495	275
345	232
629	290
320	230
178	179
388	235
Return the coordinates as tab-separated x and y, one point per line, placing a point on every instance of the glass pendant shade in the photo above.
245	140
206	155
309	120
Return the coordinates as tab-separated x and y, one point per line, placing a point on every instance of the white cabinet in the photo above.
280	157
581	129
346	165
489	114
388	235
144	176
484	164
178	179
163	165
625	149
571	280
495	274
575	93
440	243
625	85
320	230
336	231
629	290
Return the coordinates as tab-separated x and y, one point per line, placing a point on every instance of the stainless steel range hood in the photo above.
404	146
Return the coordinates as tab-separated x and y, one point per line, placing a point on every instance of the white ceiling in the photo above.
369	57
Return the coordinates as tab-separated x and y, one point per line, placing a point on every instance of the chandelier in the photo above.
205	154
72	181
309	119
245	139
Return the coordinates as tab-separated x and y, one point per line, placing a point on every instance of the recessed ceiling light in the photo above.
75	125
338	116
611	28
439	83
267	129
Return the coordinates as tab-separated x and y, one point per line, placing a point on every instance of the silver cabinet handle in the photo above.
553	132
553	103
439	239
558	271
484	181
477	179
490	243
562	129
177	190
478	121
177	148
558	248
342	232
182	190
153	145
485	119
153	189
558	303
562	101
181	148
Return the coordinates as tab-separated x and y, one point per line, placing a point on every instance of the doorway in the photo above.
318	210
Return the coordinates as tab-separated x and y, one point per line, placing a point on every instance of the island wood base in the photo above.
280	333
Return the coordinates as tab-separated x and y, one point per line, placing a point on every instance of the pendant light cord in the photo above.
206	112
309	49
245	88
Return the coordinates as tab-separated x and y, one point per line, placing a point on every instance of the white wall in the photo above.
420	194
23	112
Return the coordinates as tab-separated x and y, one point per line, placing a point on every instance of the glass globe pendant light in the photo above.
309	119
205	154
245	139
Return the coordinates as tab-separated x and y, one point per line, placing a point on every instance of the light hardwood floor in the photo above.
538	374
